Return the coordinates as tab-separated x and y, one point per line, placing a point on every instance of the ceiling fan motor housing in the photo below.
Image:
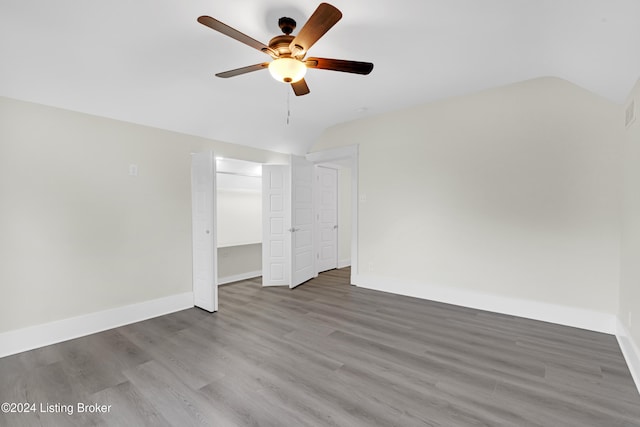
286	67
280	44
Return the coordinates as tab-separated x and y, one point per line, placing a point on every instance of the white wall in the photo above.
630	282
78	234
239	218
512	192
239	225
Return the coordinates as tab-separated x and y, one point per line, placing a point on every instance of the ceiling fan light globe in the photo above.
287	70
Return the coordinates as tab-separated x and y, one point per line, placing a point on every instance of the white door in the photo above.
203	208
302	262
327	218
275	223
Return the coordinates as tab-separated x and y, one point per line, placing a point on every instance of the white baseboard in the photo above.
630	351
238	277
546	312
24	339
342	263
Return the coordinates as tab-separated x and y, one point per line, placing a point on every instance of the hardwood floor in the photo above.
326	354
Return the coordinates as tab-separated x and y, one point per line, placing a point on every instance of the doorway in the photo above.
238	219
345	159
326	215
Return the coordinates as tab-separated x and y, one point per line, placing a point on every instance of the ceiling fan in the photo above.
288	51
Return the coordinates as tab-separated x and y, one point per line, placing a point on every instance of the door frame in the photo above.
348	156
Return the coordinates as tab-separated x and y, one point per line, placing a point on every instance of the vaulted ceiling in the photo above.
150	62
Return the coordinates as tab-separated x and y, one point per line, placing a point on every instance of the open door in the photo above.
275	223
203	208
302	259
327	218
346	157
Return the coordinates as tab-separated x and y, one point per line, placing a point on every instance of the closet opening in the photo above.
239	219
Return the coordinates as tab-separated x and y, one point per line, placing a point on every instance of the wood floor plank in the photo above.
127	404
328	354
174	400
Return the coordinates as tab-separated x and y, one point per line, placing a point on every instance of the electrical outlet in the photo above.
133	170
370	266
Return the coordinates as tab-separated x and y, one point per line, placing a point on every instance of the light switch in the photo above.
133	170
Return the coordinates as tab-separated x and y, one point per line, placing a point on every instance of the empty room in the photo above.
288	213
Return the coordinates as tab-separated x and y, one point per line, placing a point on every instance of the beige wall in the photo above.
77	233
513	192
630	283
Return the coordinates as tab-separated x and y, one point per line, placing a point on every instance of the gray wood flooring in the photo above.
327	354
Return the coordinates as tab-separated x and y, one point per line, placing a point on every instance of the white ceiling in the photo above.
150	62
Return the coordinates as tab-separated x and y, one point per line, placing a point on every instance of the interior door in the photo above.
275	223
301	231
203	208
327	218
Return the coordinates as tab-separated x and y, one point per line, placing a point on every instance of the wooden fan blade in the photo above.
356	67
325	17
234	34
300	87
243	70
